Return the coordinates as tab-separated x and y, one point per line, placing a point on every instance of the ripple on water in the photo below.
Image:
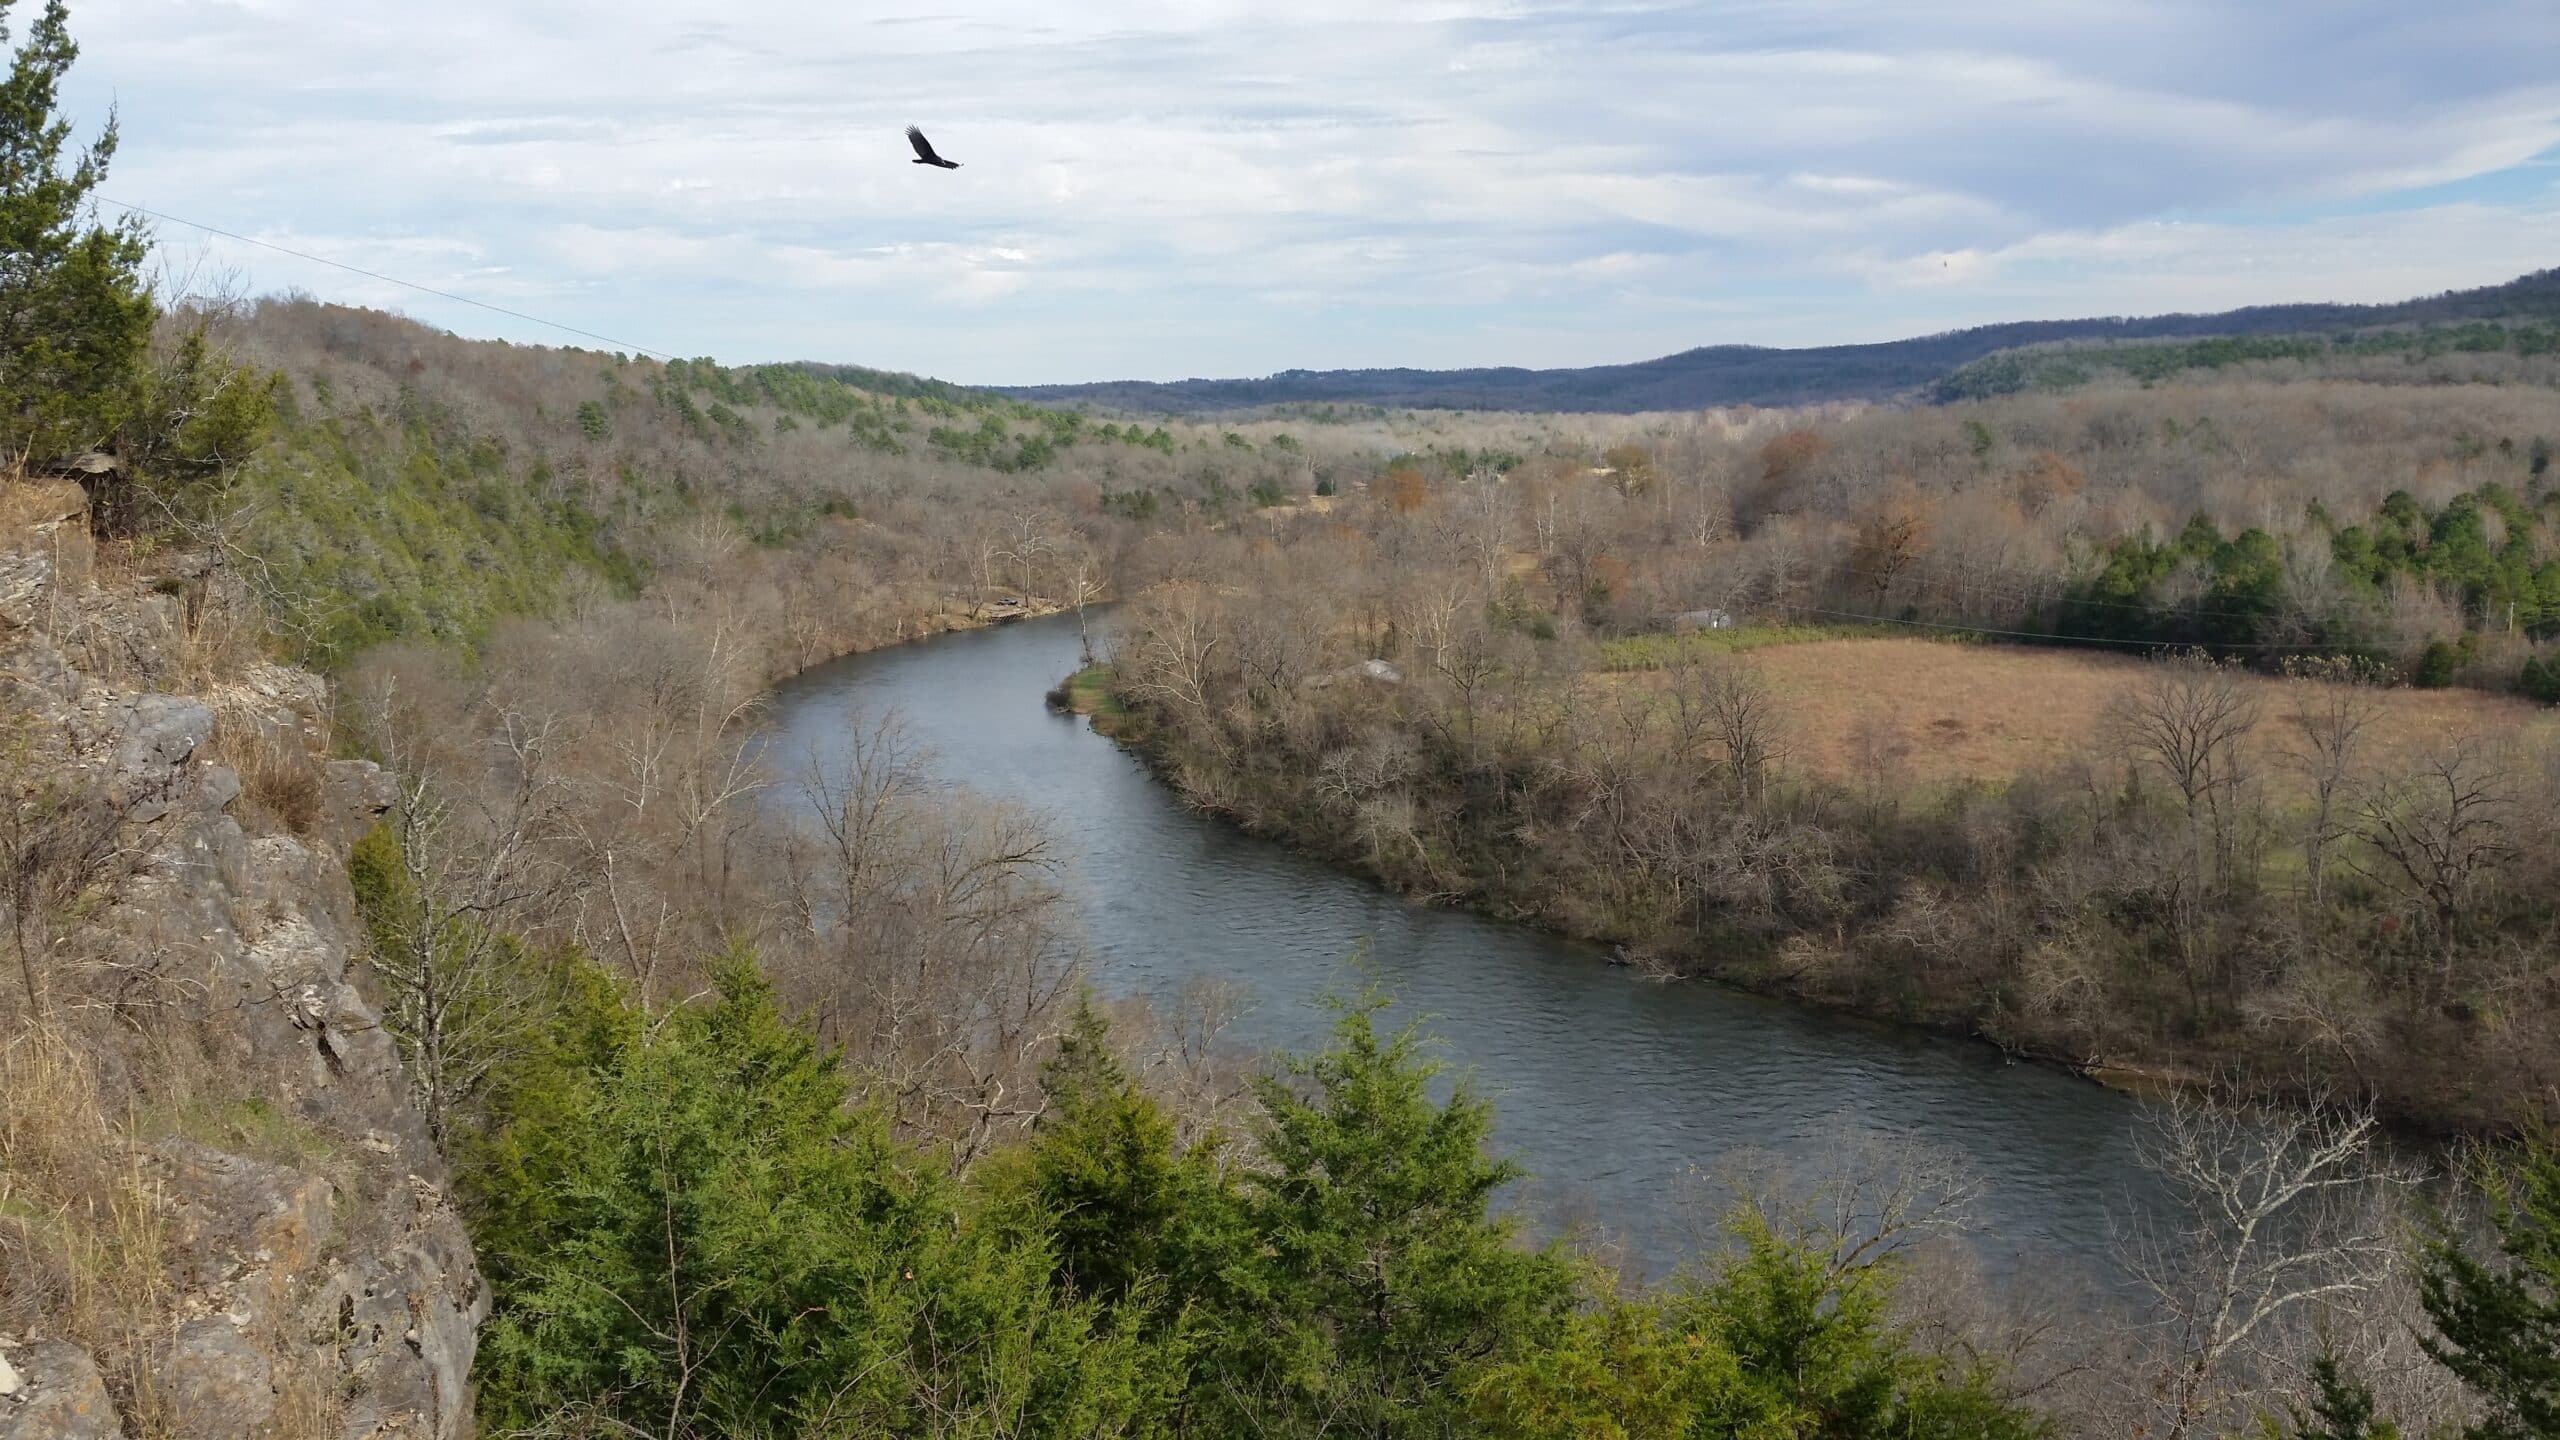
1609	1089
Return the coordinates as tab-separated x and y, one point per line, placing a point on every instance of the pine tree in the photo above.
1129	1214
1371	1279
1817	1351
692	1231
2341	1408
1778	1341
75	313
2498	1321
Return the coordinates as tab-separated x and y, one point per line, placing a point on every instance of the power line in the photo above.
386	279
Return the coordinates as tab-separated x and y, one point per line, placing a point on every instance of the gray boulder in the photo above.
52	1391
222	1384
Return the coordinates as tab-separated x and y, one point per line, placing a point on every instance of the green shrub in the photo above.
1778	1340
2443	662
2540	679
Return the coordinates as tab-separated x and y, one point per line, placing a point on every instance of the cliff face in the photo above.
222	1216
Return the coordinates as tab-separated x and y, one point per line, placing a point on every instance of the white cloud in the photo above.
1237	186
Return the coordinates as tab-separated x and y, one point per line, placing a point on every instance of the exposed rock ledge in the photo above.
331	1291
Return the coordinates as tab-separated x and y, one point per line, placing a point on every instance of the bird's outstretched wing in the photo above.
924	147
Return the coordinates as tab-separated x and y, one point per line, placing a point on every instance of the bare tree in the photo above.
2277	1212
1173	640
1188	1063
1027	544
935	947
987	551
2439	834
2188	718
475	857
1464	656
1726	699
667	774
1084	571
1871	1196
2327	721
1483	516
1892	533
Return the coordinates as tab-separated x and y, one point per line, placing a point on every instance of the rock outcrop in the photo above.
52	1391
317	1278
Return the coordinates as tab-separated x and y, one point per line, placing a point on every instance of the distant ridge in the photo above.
1759	375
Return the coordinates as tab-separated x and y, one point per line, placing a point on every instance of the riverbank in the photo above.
1088	692
1615	1094
1502	875
946	617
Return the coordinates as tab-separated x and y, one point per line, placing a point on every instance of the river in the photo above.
1610	1090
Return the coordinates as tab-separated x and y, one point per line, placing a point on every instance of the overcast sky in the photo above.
1162	188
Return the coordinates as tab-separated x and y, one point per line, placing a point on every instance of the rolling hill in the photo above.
1759	375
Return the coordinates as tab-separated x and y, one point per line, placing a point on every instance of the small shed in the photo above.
1708	619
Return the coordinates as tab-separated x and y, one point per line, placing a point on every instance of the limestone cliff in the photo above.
220	1215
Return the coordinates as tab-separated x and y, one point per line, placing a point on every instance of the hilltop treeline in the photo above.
2055	354
421	487
2479	351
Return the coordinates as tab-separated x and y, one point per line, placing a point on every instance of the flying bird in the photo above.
924	150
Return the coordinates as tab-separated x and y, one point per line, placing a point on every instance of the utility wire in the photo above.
386	279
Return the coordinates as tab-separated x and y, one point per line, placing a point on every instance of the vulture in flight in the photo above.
924	150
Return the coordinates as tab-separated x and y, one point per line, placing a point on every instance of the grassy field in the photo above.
1986	712
1660	652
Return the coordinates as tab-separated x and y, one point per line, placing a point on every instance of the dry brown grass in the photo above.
28	501
47	515
83	1236
1988	712
220	631
85	1229
280	782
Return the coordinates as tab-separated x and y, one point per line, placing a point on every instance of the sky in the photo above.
1166	188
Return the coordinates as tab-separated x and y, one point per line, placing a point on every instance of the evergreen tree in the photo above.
78	368
691	1231
1623	1370
2497	1320
1370	1280
1779	1342
1130	1216
1820	1359
75	313
2341	1408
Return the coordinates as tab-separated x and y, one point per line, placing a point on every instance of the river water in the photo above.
1610	1090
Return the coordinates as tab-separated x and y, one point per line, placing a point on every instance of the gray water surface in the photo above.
1609	1089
